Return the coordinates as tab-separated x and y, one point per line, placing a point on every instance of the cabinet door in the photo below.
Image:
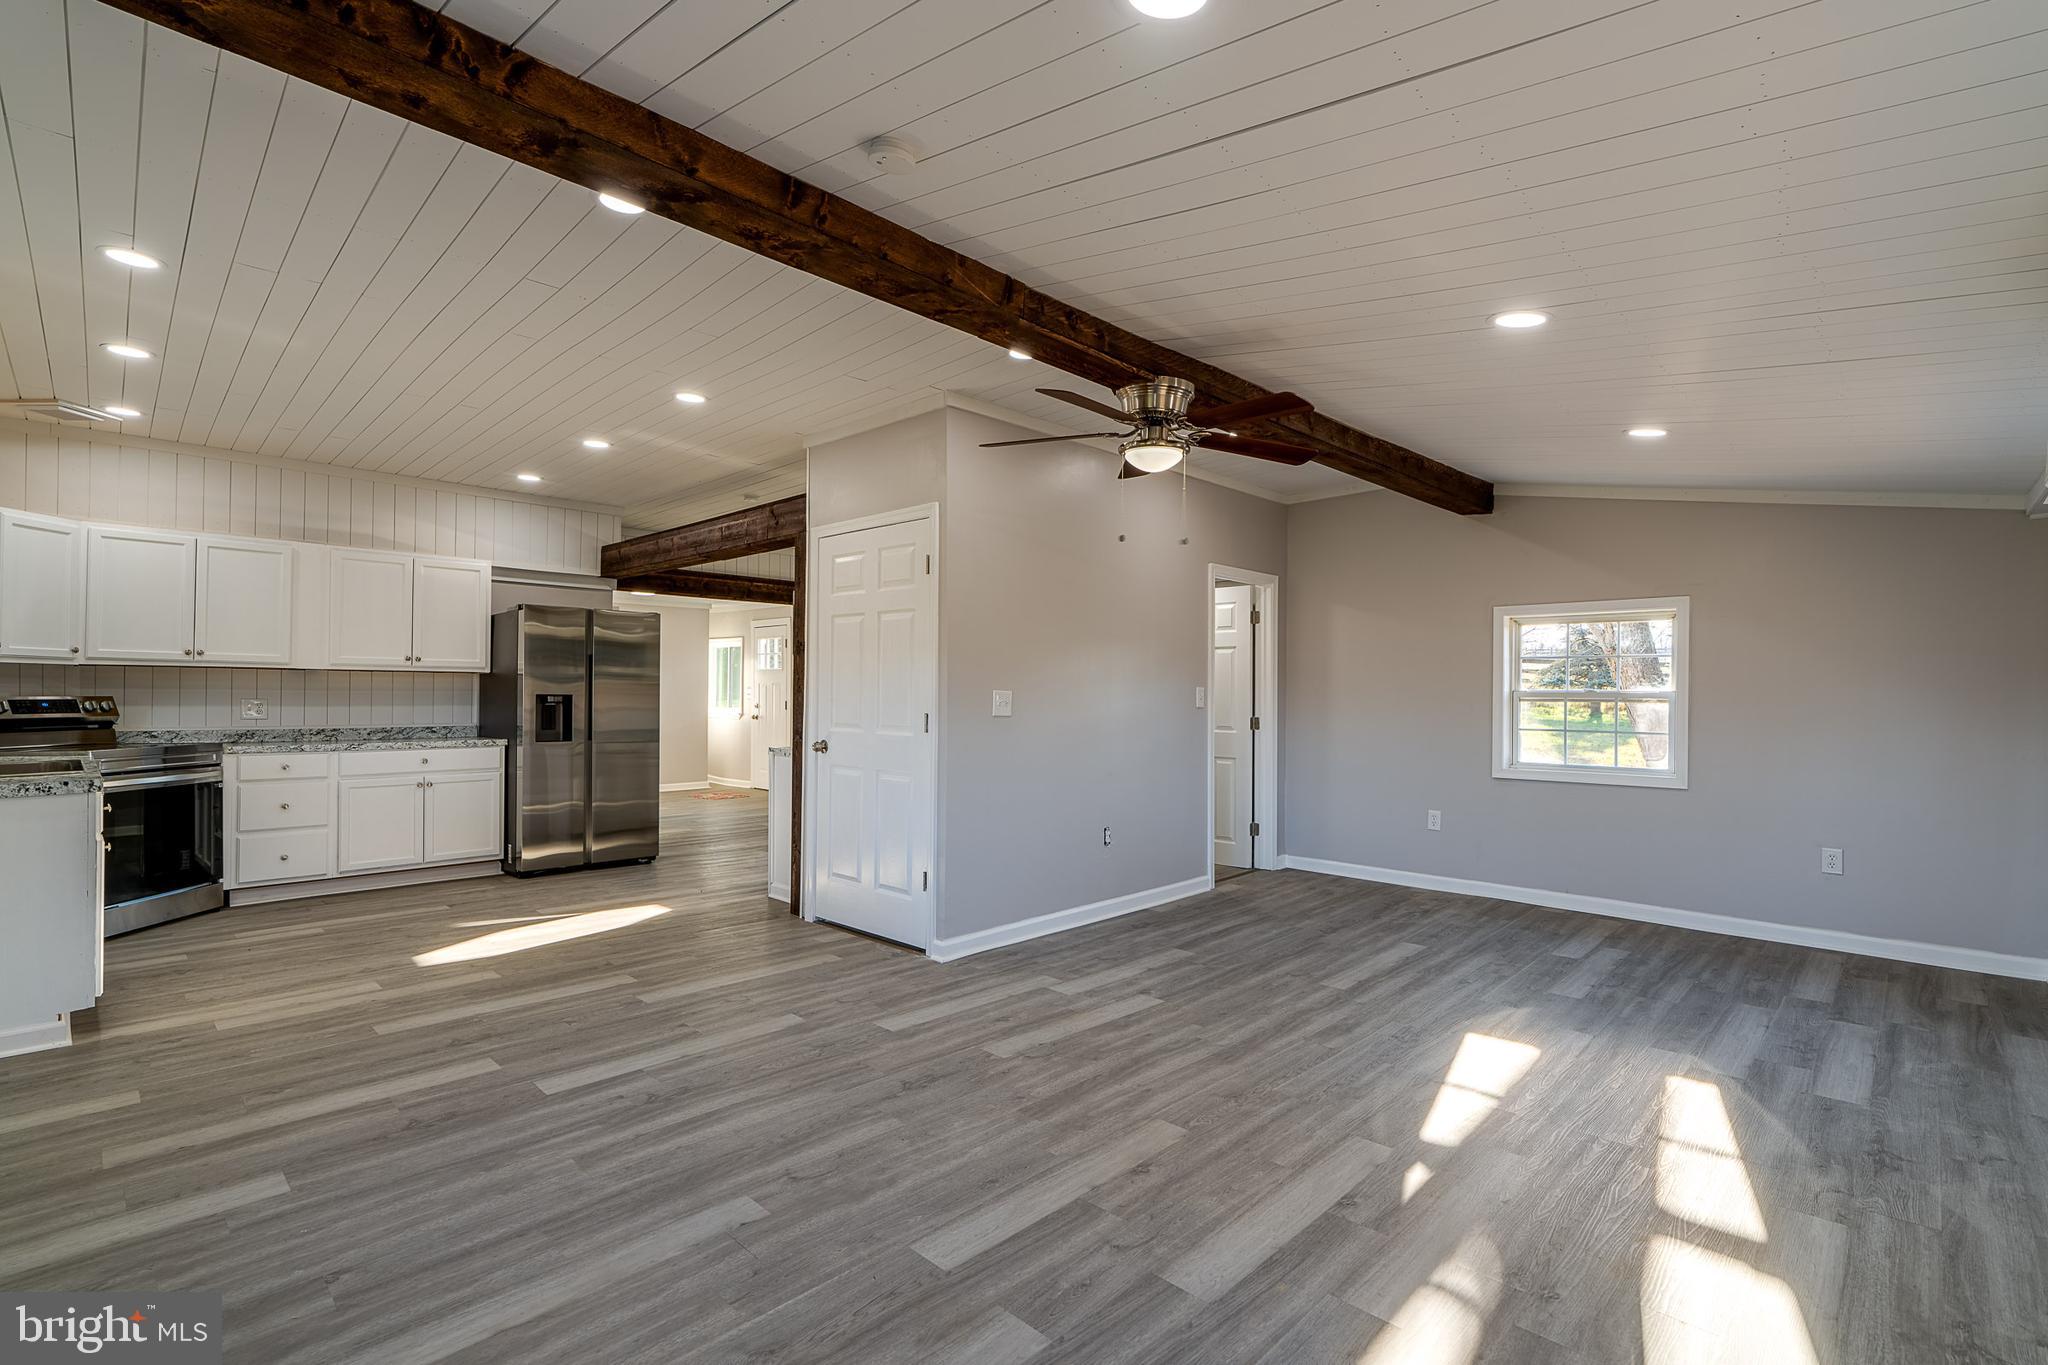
243	612
369	616
42	587
451	614
138	595
380	820
465	817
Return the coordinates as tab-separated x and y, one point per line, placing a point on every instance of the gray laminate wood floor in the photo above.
643	1115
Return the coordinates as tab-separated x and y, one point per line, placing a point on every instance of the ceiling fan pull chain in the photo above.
1183	502
1117	474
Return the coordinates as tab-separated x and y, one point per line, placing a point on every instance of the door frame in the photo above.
813	608
1266	688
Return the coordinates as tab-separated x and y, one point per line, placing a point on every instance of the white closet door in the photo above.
244	602
138	596
369	609
42	588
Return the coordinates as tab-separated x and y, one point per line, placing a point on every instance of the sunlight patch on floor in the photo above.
1413	1179
1701	1306
1444	1321
1700	1173
1481	1075
540	935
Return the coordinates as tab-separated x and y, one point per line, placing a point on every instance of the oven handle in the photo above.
196	778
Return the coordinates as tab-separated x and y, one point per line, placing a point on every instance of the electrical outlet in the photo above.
1001	705
1436	819
1831	861
255	708
1201	697
1105	836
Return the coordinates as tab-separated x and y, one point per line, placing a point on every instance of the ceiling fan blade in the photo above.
1279	452
1046	440
1081	401
1251	410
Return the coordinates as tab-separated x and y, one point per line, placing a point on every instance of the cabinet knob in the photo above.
74	649
423	760
107	844
284	857
188	653
202	653
284	805
284	767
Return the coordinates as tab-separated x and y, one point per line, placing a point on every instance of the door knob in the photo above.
819	746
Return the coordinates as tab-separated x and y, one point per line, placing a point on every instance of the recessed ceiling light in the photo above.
1016	354
618	205
1520	319
1648	433
122	255
124	349
638	593
1167	9
596	443
122	412
689	398
529	478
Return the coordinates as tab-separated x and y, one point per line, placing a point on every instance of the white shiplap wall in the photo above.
55	470
211	698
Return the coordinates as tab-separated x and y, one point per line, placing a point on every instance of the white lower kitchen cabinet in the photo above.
51	920
301	819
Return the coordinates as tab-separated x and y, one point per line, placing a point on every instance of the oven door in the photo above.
163	843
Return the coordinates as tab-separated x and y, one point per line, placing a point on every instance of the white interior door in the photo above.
875	673
1230	712
769	659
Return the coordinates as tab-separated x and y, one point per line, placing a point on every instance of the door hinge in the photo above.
1255	722
927	722
1255	615
927	564
924	881
1255	829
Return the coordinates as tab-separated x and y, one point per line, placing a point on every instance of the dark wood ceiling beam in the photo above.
396	56
750	531
729	586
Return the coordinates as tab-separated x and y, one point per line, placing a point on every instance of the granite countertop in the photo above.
53	784
322	741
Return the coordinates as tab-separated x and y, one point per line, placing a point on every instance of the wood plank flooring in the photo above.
645	1115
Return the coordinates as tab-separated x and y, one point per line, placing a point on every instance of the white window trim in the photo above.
739	644
1504	764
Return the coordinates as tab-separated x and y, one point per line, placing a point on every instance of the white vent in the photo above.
54	410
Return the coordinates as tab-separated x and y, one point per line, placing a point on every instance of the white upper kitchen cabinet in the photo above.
369	609
244	602
451	614
42	588
138	596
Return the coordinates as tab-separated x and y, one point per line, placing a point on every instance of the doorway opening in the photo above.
1243	729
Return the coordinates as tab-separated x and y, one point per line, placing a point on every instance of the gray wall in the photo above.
1102	644
731	747
896	466
685	683
1870	679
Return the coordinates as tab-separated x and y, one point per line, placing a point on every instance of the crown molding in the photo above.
1987	502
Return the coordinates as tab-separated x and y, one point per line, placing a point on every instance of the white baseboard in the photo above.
361	881
1038	926
778	892
746	782
1835	940
36	1037
684	786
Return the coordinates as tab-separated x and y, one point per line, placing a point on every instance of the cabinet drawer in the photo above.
382	762
292	803
282	856
270	767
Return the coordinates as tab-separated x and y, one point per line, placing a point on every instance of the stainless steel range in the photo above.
161	814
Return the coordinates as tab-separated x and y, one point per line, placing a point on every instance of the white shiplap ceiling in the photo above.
1811	239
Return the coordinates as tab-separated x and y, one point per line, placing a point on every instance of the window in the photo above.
725	675
1592	692
768	653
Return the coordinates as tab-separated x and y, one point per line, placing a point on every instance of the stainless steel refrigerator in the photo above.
576	695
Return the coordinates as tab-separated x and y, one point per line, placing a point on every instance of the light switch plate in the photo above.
1436	819
1201	697
1001	705
255	708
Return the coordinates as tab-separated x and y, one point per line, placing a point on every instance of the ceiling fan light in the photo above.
1153	457
1167	9
618	205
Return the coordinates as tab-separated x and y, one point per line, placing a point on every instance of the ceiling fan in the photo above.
1161	423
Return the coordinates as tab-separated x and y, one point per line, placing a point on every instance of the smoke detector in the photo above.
892	154
54	410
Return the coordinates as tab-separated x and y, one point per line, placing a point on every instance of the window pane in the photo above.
1643	637
1590	749
1540	715
1589	715
1644	751
1645	717
1545	674
1591	660
1539	746
1644	670
1543	642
